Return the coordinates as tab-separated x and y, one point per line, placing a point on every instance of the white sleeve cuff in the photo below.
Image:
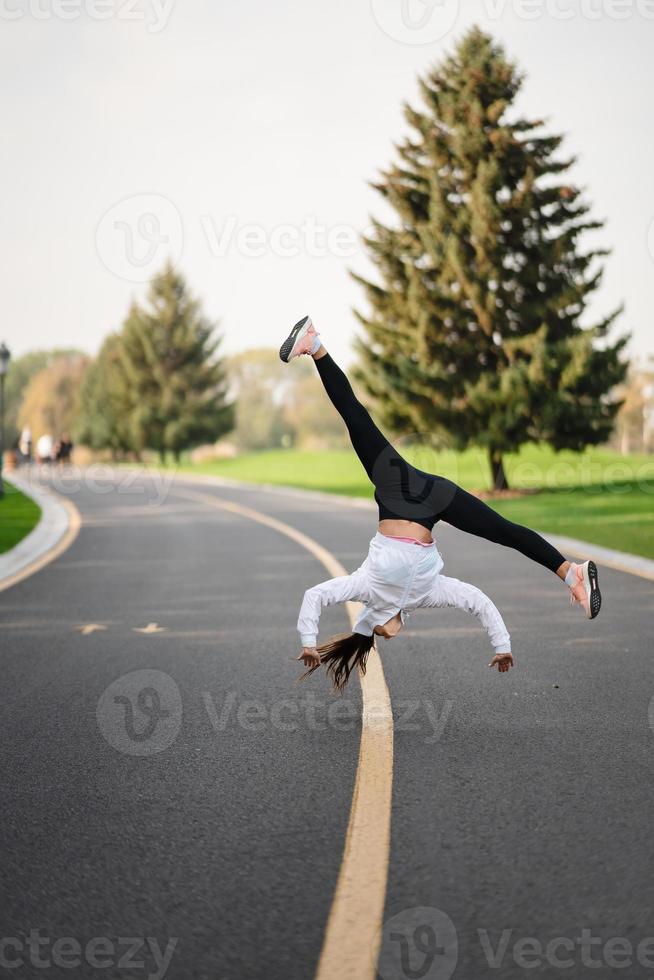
502	647
308	639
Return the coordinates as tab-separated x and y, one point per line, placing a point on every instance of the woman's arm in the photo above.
461	595
340	589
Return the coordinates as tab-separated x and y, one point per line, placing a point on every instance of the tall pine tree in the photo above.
177	387
105	402
474	335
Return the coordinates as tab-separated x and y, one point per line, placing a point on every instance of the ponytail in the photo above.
341	654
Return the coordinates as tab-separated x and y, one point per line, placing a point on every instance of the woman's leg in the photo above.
401	491
468	513
368	442
463	510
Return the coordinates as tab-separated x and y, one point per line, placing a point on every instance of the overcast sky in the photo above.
239	139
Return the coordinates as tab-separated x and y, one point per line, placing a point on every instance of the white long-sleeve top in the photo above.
398	576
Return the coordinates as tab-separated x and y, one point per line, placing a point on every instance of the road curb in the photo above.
623	561
55	532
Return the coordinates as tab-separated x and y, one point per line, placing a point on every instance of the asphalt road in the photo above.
198	832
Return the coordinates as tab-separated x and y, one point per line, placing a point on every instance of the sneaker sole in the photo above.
296	334
592	586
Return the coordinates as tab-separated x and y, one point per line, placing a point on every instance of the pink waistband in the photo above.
398	537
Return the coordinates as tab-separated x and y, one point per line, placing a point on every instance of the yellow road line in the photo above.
353	933
74	524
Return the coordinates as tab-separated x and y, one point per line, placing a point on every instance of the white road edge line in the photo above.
56	530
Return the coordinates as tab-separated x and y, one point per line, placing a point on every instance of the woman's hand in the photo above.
310	657
502	661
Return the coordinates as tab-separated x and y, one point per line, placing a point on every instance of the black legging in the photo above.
406	493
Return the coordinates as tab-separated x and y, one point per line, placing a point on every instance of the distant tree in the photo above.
259	389
635	424
103	419
21	371
310	414
51	401
175	384
475	333
277	408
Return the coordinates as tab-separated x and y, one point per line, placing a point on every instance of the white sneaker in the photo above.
299	341
585	590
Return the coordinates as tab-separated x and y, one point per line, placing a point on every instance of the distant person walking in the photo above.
44	449
25	445
63	450
402	569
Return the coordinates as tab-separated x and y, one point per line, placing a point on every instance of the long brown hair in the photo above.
341	654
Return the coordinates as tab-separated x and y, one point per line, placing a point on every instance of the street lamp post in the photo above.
4	364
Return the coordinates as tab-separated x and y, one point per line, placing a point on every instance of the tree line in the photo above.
477	329
160	384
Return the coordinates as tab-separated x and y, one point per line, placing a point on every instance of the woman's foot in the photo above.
584	589
303	339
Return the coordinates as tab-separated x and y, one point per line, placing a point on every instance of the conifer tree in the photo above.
176	385
105	403
474	335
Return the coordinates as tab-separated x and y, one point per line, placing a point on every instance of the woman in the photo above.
402	570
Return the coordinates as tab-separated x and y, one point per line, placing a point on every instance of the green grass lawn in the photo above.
339	471
597	495
615	515
18	515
